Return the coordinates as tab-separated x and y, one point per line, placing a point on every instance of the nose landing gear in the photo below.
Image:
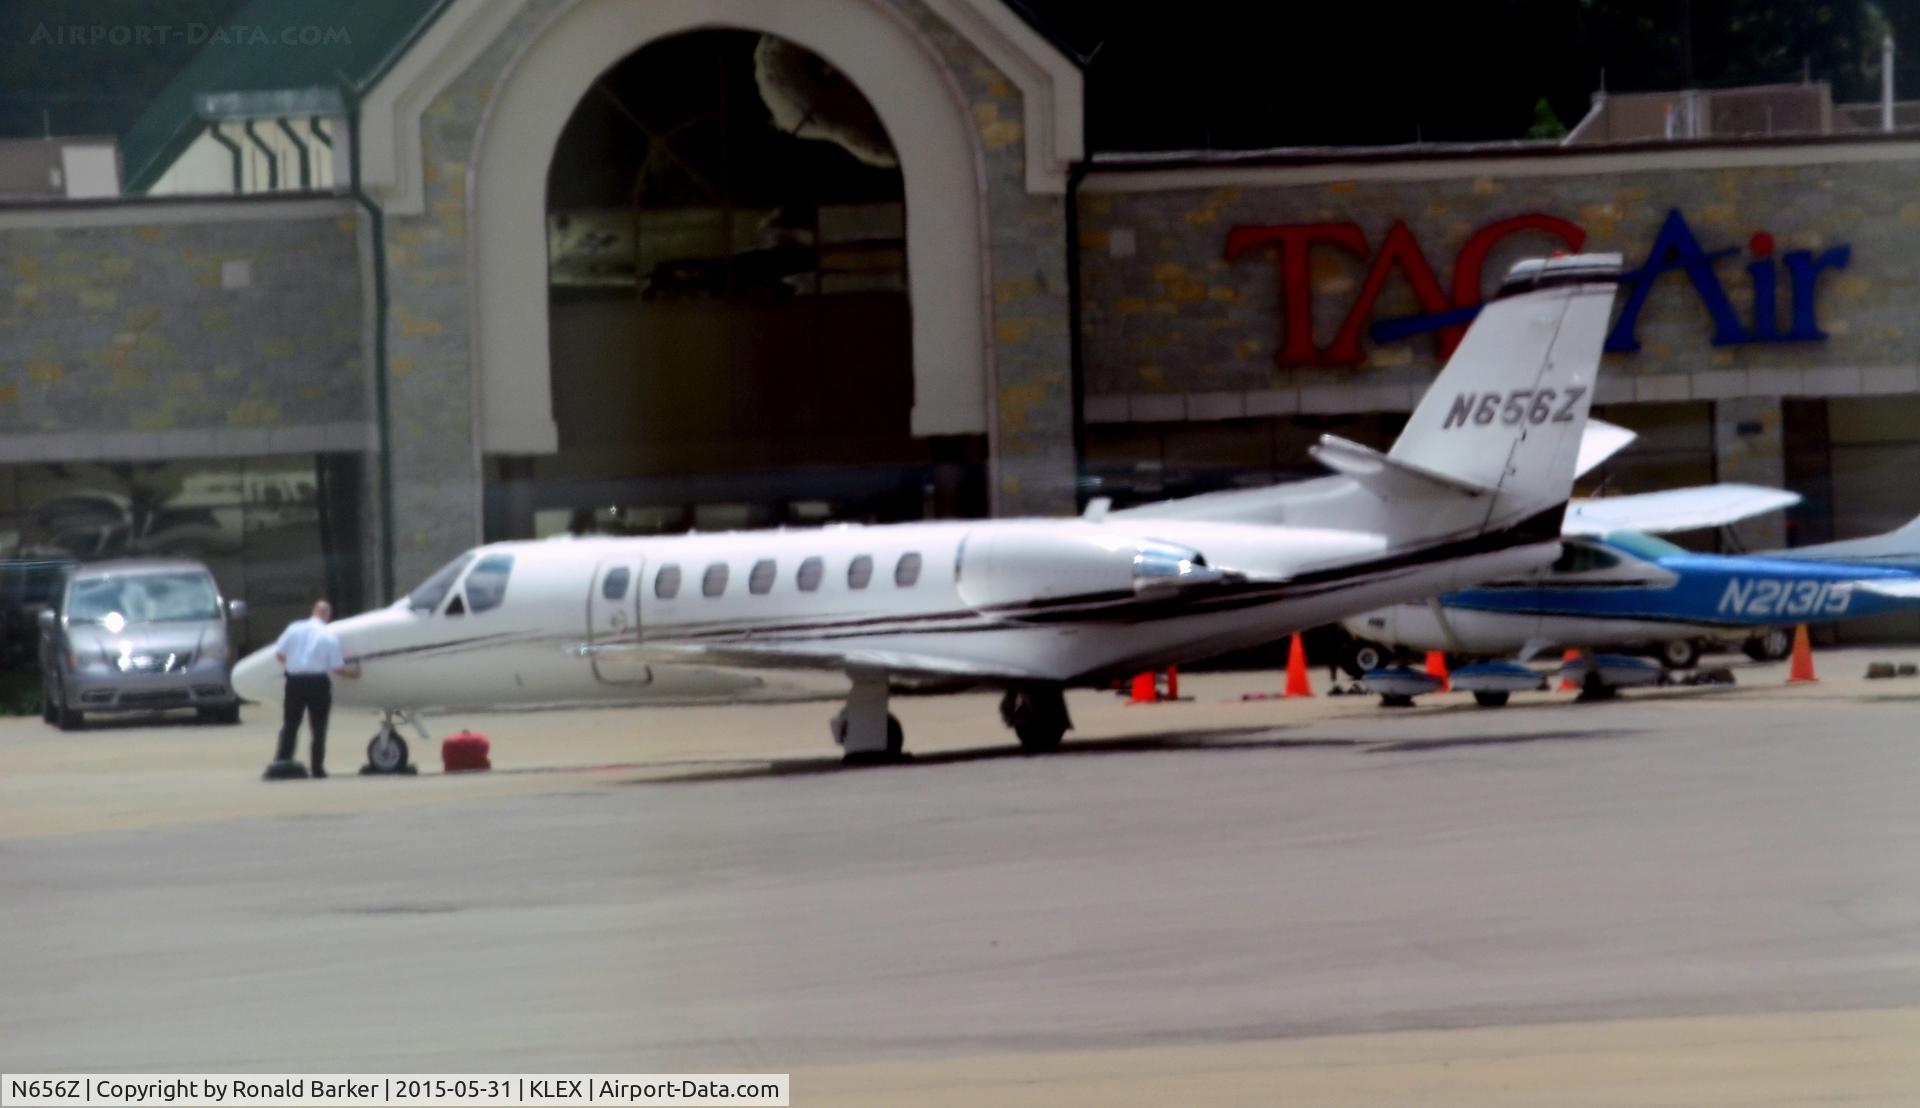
387	751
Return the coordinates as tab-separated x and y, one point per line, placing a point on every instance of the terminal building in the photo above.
329	312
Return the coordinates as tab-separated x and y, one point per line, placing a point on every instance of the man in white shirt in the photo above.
310	651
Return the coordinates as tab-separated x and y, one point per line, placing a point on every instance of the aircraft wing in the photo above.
823	655
1674	509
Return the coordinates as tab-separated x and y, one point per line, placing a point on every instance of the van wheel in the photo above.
46	703
228	714
1487	698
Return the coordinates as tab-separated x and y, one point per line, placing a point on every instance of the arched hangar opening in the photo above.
730	314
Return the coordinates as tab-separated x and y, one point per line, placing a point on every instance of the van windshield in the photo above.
121	600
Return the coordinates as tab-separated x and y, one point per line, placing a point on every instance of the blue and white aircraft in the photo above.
1621	587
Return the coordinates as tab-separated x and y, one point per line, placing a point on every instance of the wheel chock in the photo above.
285	770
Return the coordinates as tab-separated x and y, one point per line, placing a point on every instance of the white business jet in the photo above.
1474	488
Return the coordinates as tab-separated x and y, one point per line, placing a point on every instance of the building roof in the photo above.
271	44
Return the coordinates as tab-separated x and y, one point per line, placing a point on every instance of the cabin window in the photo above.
1580	558
810	573
906	571
666	583
714	581
455	607
434	589
615	586
760	581
487	584
859	572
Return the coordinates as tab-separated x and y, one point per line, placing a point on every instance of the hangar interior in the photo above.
731	332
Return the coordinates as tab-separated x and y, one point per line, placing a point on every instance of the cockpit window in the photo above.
487	584
434	589
1576	557
1643	544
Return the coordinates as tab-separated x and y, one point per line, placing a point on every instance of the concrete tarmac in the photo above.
1685	897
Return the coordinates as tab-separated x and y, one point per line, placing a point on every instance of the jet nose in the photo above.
256	676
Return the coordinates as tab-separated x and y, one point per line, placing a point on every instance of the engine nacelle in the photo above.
1048	571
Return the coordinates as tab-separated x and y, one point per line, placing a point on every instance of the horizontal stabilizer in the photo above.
1899	547
1675	509
1899	588
1390	477
1600	441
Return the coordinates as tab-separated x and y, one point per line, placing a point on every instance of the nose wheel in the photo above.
387	751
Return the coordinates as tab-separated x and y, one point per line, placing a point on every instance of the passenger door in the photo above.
613	622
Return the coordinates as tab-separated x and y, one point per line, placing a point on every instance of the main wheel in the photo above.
896	735
1362	655
1679	653
1488	698
387	752
1038	716
1770	645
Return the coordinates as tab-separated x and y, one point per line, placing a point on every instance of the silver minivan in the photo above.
137	635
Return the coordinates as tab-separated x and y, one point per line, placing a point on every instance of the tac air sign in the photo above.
1676	261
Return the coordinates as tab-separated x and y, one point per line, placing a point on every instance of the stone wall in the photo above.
1173	330
156	331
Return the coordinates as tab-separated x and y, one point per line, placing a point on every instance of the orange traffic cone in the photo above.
1173	682
1144	691
1297	669
1437	667
1566	683
1801	668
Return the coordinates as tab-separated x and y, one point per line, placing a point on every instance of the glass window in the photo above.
434	589
810	573
455	607
614	587
487	584
760	581
859	572
1576	557
714	582
1645	545
666	583
906	571
119	601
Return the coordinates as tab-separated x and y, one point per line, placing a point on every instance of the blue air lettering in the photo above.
1676	250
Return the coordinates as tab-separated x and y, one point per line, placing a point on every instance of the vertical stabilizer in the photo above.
1509	410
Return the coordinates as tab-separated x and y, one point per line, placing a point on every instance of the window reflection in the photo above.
278	532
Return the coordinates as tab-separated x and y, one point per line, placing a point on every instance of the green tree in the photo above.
1546	125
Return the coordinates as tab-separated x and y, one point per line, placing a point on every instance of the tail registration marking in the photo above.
1513	408
1771	596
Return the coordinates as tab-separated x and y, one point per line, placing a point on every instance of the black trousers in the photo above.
311	694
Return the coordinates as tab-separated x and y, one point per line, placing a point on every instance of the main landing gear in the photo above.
387	751
1037	714
865	730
